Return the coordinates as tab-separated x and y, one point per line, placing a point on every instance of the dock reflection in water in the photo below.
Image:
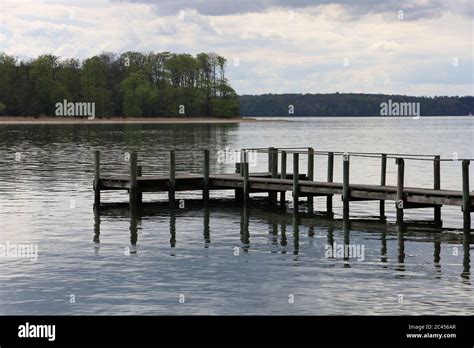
278	236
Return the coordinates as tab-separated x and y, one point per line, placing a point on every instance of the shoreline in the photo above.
12	120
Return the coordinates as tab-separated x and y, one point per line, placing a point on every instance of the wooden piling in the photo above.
283	176
437	186
246	187
310	175
345	187
96	179
275	163
383	182
330	178
205	186
133	191
296	161
172	178
273	166
466	200
400	203
238	191
139	192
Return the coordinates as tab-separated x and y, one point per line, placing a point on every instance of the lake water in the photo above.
222	260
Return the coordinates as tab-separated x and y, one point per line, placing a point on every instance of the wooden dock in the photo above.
277	181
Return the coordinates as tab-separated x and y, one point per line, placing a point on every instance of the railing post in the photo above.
383	182
400	203
310	174
96	179
437	186
133	191
270	159
205	186
345	186
466	200
172	179
330	179
295	182
283	176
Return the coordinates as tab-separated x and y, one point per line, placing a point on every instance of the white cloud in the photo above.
279	51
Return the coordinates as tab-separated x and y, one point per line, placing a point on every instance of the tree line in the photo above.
347	104
129	84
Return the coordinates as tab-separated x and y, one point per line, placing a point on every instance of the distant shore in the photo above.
5	120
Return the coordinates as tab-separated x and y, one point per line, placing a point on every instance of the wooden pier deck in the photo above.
278	181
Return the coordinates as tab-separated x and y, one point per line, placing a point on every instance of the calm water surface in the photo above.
223	260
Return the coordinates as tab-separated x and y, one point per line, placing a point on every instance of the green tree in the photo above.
94	85
138	95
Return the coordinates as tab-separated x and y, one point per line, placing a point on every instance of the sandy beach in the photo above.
120	120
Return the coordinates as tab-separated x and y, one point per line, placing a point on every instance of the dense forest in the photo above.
350	104
168	84
130	84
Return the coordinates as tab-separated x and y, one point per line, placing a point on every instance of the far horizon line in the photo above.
357	93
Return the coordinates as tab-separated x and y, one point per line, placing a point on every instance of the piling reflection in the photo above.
466	244
437	256
401	248
383	250
96	238
330	239
134	217
273	236
172	231
207	228
283	241
296	234
346	230
244	229
311	235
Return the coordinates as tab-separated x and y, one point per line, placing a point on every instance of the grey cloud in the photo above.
413	9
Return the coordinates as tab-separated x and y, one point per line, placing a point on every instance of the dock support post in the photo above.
238	192
296	161
330	179
383	182
133	191
139	192
273	168
283	176
345	186
437	186
96	179
205	189
466	200
245	168
310	175
172	182
400	186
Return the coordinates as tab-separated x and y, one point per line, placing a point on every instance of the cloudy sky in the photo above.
414	47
